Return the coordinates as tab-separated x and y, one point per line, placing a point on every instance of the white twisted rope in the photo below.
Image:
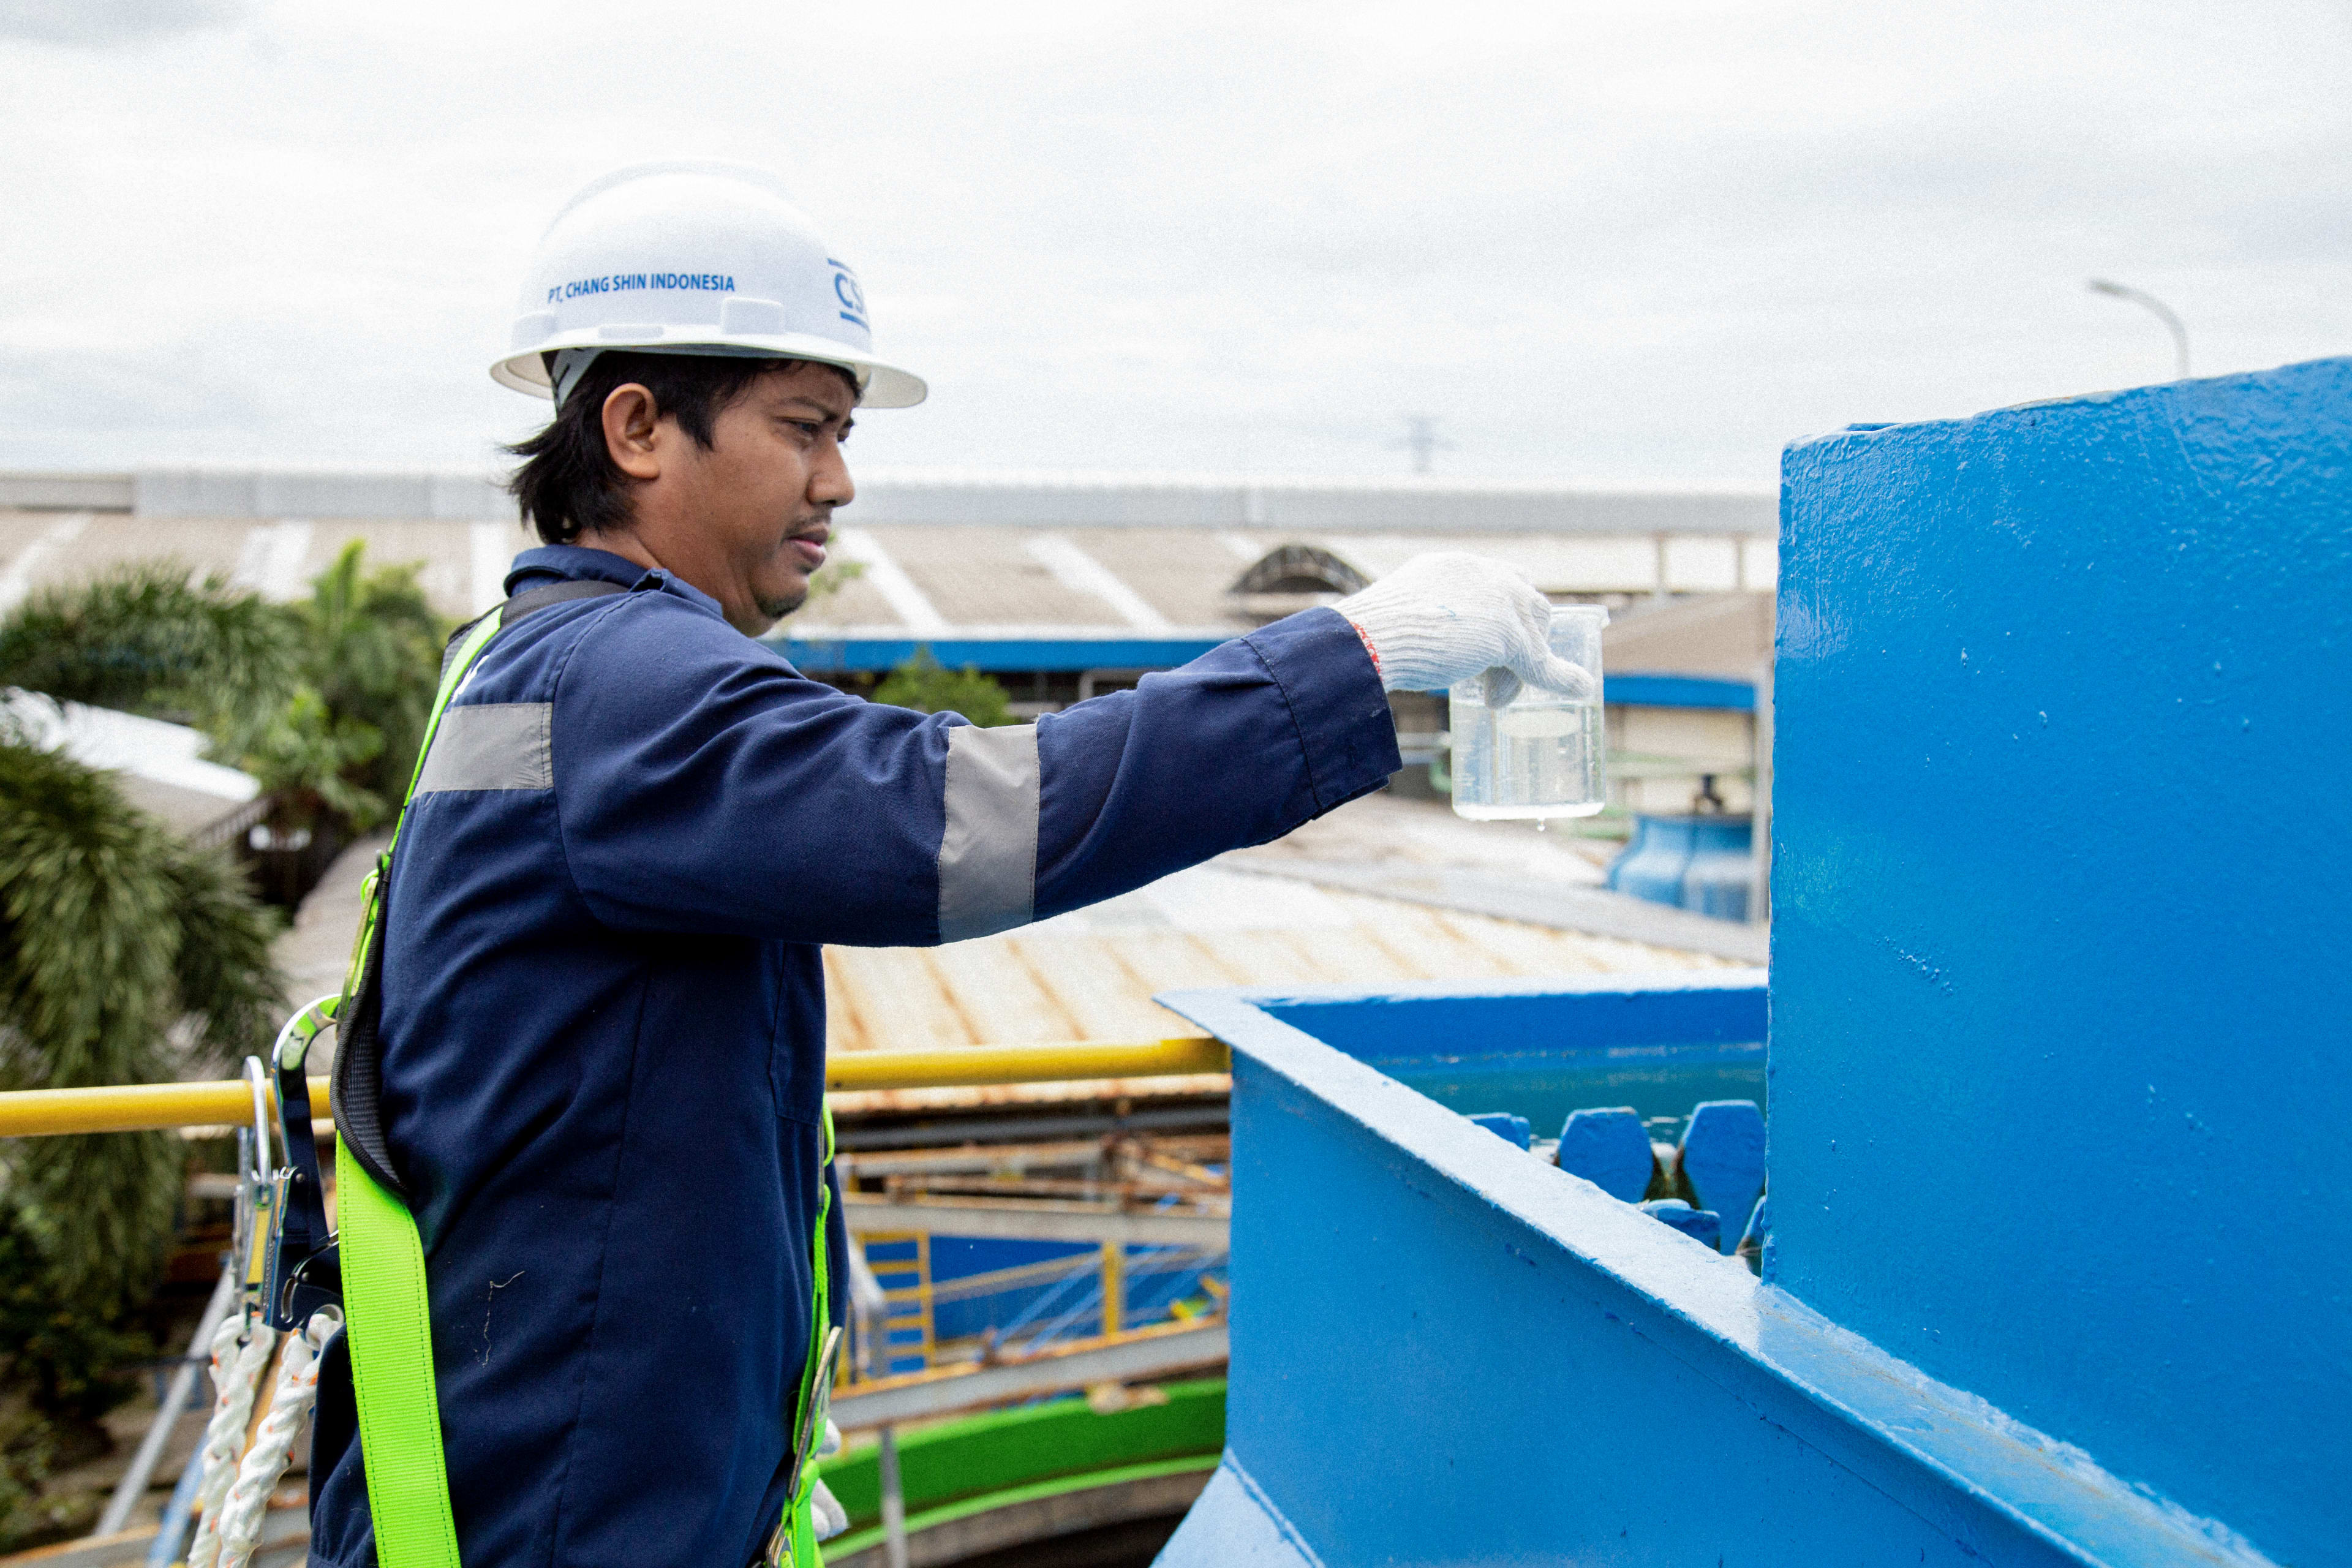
242	1347
265	1462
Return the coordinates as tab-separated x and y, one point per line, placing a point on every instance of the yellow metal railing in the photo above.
136	1107
141	1107
956	1067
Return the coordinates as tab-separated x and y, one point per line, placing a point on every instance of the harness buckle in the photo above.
808	1433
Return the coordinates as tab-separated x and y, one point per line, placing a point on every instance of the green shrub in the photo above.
126	956
344	732
67	1359
922	685
149	639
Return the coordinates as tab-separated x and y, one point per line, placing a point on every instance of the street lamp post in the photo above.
2162	311
1422	439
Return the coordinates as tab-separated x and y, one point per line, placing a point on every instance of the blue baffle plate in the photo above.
1723	1161
1512	1130
1610	1148
1702	1225
1534	1049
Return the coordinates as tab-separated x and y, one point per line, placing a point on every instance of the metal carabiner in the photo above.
304	1273
256	1078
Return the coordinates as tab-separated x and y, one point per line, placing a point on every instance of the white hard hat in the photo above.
692	258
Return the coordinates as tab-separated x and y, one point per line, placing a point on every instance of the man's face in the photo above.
748	518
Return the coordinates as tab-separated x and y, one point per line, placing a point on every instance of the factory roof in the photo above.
160	767
1069	498
1091	974
1032	571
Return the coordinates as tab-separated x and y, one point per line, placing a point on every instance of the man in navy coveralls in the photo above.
603	1005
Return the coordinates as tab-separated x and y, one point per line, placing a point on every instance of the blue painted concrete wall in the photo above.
2060	1092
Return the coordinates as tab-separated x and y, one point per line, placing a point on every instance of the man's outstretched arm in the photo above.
701	789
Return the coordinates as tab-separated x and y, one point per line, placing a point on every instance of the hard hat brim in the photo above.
882	384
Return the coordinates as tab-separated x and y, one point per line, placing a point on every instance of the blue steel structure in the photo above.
2077	877
994	655
2061	1271
835	655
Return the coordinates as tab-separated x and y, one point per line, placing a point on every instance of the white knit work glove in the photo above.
826	1515
1444	618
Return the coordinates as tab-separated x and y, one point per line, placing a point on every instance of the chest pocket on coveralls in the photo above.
796	1048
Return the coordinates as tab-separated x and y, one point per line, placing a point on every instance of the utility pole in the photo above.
2158	308
1422	439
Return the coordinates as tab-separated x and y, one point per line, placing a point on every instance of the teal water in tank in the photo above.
1660	1082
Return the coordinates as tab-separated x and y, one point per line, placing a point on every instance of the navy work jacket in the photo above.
603	1014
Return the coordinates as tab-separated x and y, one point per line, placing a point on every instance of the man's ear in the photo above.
631	426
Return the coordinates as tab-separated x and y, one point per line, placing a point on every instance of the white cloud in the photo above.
106	23
1602	242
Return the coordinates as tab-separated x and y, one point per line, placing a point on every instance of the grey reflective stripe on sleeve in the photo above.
988	857
489	745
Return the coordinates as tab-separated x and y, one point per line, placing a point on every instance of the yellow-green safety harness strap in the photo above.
387	1314
800	1518
388	1324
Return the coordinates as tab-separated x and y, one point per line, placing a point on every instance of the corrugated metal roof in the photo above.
160	767
145	748
923	581
1727	634
1009	583
1091	974
462	563
1118	500
958	497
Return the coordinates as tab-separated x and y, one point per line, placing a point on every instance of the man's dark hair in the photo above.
569	482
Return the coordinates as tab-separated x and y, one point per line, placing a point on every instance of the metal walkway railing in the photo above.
237	1102
145	1107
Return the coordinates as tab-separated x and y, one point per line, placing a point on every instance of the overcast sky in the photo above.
1602	243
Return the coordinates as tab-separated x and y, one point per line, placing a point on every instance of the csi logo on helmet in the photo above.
845	289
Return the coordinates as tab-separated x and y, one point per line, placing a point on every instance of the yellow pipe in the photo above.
1114	1286
955	1066
139	1106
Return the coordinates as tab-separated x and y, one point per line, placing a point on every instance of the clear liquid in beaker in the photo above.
1541	756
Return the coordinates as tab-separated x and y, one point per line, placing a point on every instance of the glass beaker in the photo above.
1540	754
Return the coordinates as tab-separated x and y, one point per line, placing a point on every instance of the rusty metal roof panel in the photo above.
1091	974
